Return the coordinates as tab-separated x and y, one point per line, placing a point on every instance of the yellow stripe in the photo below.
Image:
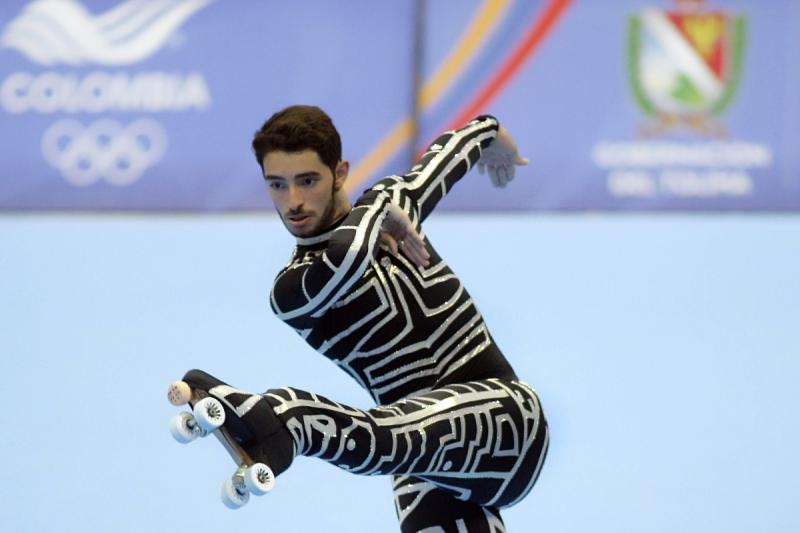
483	23
372	161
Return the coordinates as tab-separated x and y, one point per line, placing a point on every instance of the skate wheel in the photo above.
179	393
259	479
232	496
181	428
209	413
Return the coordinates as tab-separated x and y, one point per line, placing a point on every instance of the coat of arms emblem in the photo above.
685	64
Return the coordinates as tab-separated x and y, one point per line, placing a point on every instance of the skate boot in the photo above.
244	423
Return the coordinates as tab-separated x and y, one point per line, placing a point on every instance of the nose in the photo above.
295	197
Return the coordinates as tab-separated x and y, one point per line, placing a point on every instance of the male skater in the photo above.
461	435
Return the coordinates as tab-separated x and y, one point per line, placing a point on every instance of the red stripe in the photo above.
534	37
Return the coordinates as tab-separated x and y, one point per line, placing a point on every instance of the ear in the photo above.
342	169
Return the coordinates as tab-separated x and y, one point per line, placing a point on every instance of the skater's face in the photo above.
309	197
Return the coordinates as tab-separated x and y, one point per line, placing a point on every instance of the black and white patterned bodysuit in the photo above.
460	433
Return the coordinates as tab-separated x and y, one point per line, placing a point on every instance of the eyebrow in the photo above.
309	174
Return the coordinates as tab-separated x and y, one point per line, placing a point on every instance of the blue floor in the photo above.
665	349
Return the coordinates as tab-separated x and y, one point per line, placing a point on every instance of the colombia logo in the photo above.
685	65
51	32
73	44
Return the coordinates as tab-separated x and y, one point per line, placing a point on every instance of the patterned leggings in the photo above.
457	454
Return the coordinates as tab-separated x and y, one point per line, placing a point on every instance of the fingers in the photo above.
390	242
413	247
399	234
501	161
493	176
512	171
501	174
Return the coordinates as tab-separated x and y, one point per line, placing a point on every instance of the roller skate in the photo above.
244	424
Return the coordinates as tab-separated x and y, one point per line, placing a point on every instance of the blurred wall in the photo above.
620	104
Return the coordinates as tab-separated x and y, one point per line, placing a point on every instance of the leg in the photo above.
482	441
423	508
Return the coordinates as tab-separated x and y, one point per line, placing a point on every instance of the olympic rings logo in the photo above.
104	150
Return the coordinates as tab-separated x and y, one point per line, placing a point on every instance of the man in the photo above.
462	436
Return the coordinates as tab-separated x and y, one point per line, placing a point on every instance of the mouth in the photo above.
297	220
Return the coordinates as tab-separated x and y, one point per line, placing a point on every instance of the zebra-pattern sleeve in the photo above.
304	290
444	162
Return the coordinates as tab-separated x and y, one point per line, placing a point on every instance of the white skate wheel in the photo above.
232	497
259	479
209	413
179	393
181	427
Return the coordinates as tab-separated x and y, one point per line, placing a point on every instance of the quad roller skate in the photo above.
210	415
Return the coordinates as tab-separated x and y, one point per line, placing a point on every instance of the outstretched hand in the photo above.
501	159
399	234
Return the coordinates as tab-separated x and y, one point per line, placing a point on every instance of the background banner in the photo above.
619	104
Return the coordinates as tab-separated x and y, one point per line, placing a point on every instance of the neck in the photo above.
341	204
340	209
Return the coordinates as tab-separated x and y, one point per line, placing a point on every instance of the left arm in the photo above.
444	162
450	157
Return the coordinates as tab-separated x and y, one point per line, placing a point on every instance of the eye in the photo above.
308	181
276	185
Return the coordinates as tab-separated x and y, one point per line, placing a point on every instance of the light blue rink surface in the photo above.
665	350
